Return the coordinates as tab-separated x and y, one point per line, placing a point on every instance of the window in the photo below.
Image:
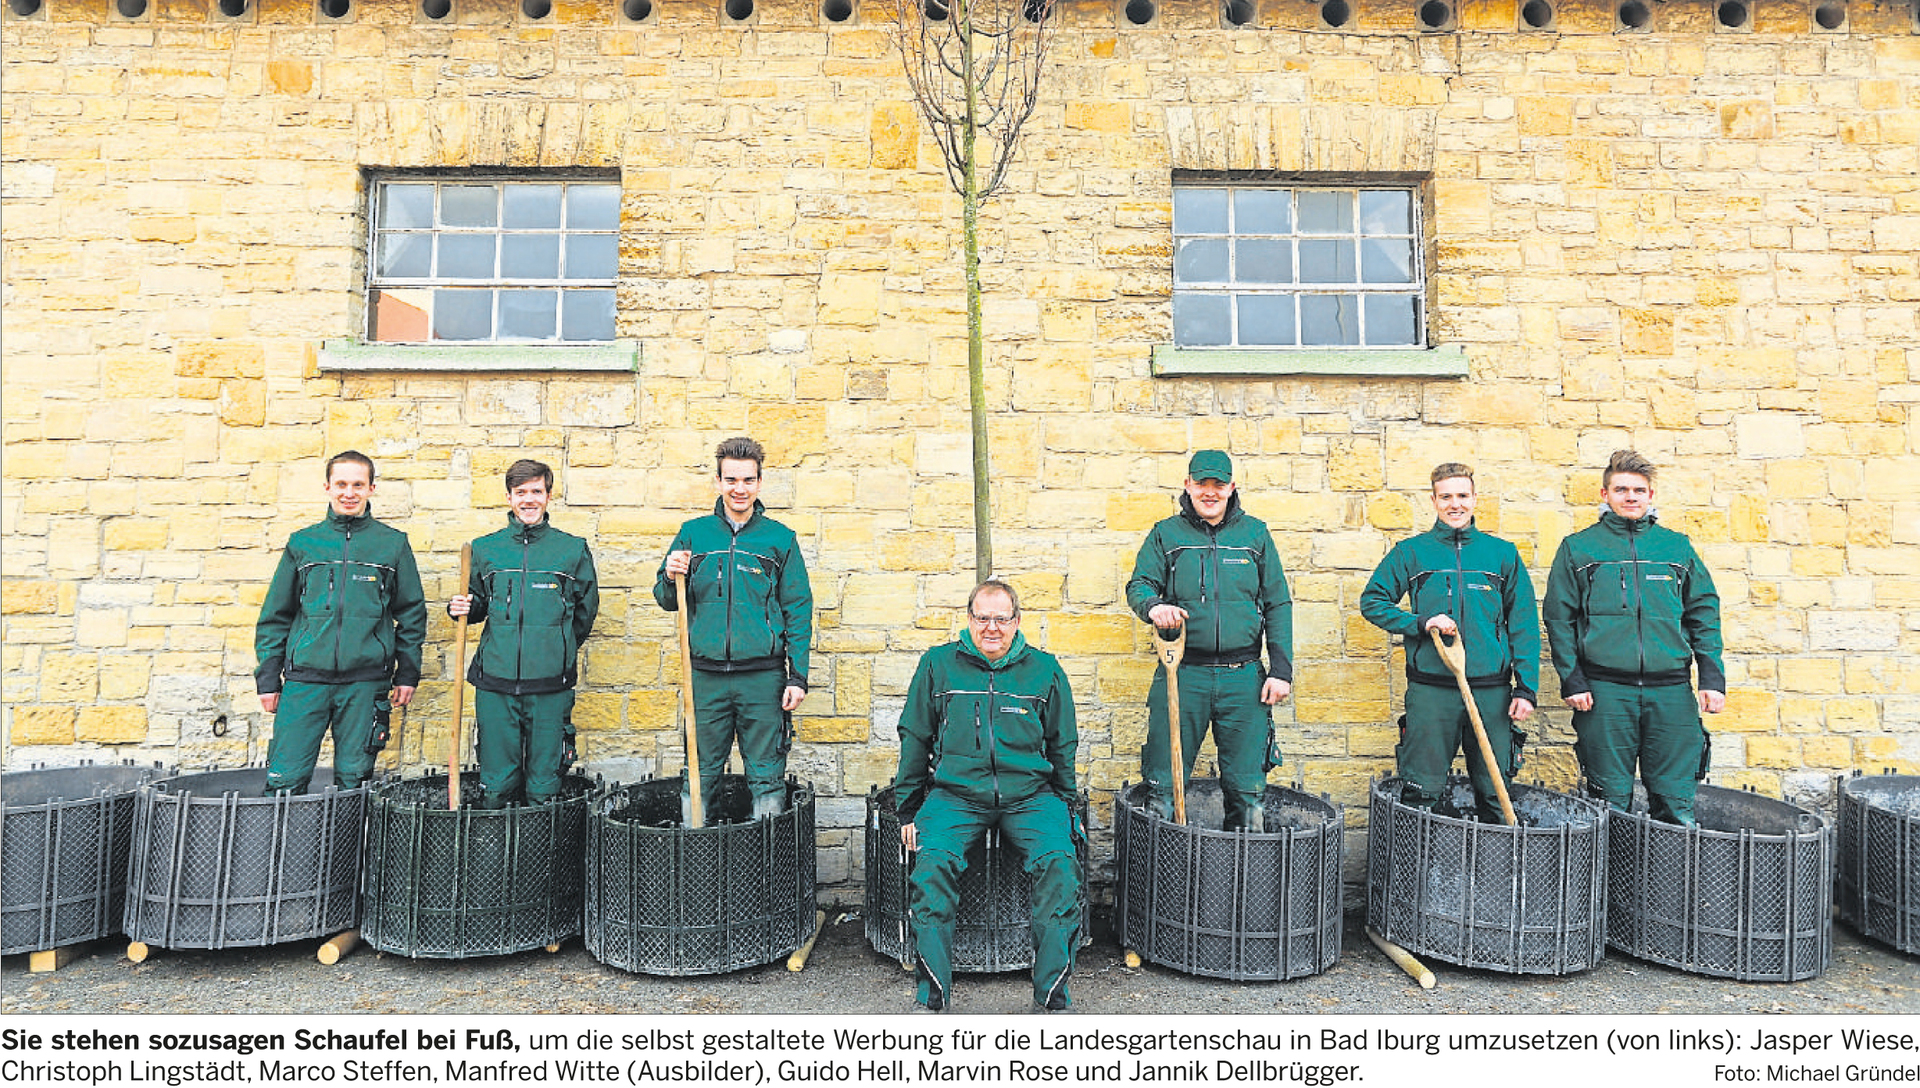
1260	266
493	260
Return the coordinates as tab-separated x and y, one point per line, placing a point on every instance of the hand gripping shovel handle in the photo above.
459	685
1170	652
1455	655
696	811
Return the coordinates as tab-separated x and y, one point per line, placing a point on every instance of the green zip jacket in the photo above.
993	732
1629	602
344	606
752	603
535	589
1228	578
1479	581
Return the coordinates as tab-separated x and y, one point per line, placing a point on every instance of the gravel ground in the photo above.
846	976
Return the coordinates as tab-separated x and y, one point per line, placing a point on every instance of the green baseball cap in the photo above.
1211	465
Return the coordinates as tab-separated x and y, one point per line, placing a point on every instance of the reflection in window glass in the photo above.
1295	266
474	259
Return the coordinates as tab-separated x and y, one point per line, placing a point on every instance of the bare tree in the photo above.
975	70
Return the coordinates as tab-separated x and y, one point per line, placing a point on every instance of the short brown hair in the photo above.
352	457
741	448
994	585
1449	470
1626	461
527	469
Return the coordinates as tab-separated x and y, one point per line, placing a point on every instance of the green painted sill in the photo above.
359	356
1449	361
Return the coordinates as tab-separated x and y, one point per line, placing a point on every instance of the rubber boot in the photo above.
769	805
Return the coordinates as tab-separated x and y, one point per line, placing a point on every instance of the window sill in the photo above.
1170	361
356	356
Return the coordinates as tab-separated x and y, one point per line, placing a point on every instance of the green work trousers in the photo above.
1657	726
1438	727
301	722
1041	828
523	739
743	706
1228	698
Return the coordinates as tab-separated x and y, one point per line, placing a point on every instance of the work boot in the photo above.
1253	818
771	804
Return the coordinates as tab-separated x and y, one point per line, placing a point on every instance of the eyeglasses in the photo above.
994	621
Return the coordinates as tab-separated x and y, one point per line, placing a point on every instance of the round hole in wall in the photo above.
934	10
636	10
233	9
1435	15
1140	12
1537	14
1830	16
1036	11
130	9
436	9
335	9
1240	12
1634	14
24	7
739	10
1336	13
1731	13
536	9
837	11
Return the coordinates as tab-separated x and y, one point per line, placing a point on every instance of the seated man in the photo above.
1006	762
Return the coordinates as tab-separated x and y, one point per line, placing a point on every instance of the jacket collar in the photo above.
1014	652
1442	531
340	523
1621	525
528	533
720	511
1233	511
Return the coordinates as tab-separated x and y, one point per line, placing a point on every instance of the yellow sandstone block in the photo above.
19	596
1090	634
1777	752
111	724
831	730
42	725
1747	712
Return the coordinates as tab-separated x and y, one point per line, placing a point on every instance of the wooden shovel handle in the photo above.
1456	658
1171	652
696	811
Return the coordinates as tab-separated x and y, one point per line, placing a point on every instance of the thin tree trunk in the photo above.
976	329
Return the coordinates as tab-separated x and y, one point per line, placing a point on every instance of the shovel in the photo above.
1170	652
1455	655
697	813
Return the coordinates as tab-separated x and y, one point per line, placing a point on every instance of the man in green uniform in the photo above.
1631	613
343	621
534	587
987	739
1213	569
750	624
1464	584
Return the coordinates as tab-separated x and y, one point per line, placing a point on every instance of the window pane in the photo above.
462	315
593	256
406	206
1386	260
465	257
1386	211
530	256
528	315
1262	211
1200	320
1263	260
593	207
1265	320
1200	260
1326	212
1329	319
1326	262
1200	211
405	256
469	205
400	315
530	206
586	315
1391	319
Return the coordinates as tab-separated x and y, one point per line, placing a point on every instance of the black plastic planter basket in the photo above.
993	930
1528	899
216	865
1747	894
1242	905
442	884
1878	882
64	837
664	899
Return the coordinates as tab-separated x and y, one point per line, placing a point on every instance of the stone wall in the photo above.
1698	242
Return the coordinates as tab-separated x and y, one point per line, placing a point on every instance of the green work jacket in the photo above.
1629	602
344	606
1477	580
752	603
1228	578
535	589
993	732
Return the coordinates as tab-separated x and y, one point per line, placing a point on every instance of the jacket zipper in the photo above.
520	624
993	758
340	599
733	542
1639	604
